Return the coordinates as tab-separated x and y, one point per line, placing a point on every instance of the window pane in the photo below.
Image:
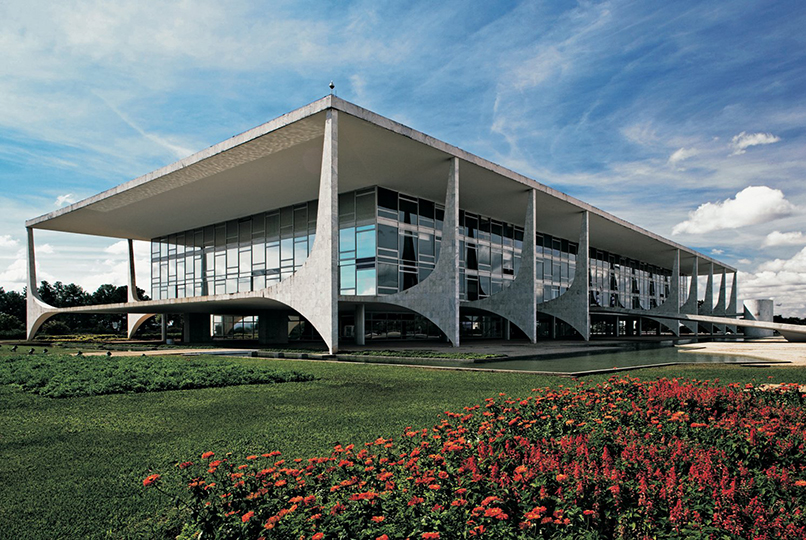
365	281
387	275
347	239
387	237
365	244
347	276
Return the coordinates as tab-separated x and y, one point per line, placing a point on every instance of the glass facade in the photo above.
555	266
620	282
390	242
239	255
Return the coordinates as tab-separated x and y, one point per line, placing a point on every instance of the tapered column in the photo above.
37	311
517	303
733	305
671	306
573	307
437	297
313	289
690	306
707	306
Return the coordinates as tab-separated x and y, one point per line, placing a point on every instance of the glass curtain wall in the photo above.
621	282
235	256
389	242
555	266
489	255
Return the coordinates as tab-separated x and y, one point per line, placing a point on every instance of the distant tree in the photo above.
788	320
12	303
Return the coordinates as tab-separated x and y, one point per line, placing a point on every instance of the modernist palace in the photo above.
334	223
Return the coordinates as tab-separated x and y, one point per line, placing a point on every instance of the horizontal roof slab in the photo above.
278	164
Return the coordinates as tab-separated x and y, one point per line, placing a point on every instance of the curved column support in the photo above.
707	306
313	289
690	306
733	304
517	302
573	306
437	297
672	304
133	296
135	321
721	302
37	311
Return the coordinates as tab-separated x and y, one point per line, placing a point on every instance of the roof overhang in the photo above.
278	164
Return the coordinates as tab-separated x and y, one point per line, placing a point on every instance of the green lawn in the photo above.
72	467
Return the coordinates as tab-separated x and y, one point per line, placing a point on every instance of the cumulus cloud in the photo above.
776	238
682	154
118	248
61	200
751	206
744	140
45	248
716	251
7	242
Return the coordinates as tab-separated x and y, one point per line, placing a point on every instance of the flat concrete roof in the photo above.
236	177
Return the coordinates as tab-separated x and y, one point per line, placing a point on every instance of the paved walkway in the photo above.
772	349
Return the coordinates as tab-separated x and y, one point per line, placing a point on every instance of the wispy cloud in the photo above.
752	205
682	154
61	200
741	142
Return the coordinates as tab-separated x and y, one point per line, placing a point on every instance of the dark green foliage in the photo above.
60	375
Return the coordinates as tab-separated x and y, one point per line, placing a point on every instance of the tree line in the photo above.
13	310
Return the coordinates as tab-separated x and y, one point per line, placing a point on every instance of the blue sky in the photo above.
686	118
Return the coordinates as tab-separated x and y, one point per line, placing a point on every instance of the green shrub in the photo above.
61	375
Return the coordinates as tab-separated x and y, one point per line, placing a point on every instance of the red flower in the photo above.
434	535
317	536
247	516
378	519
149	480
207	455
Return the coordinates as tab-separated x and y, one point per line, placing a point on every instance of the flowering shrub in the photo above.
622	459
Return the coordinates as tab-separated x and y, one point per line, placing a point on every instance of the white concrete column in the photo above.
360	320
734	301
517	303
164	327
573	307
313	289
37	311
690	306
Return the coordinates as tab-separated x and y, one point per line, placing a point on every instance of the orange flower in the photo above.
562	477
149	480
382	537
378	519
247	516
207	455
317	536
433	535
800	483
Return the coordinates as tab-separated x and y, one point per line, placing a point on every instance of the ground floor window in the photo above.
235	327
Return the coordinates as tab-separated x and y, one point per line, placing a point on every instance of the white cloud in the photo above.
118	248
7	242
744	140
716	251
44	249
682	154
781	279
751	206
776	238
61	200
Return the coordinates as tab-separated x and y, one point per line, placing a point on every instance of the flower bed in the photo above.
622	459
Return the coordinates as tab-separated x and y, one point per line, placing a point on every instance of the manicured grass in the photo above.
64	375
73	467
